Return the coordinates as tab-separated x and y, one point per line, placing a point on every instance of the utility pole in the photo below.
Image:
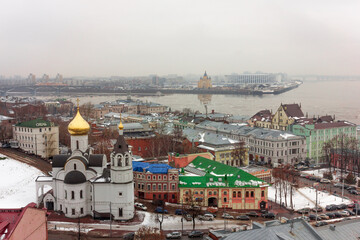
110	221
316	201
342	192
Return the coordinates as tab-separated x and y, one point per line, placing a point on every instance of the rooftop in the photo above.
37	123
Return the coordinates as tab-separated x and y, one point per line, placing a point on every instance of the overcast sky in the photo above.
106	37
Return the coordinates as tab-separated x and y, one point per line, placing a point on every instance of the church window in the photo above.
234	194
120	194
173	186
74	166
247	194
73	211
60	207
120	212
210	193
239	194
65	210
82	210
81	194
173	177
65	194
77	144
90	188
91	208
72	195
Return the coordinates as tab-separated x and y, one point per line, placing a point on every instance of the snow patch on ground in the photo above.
17	183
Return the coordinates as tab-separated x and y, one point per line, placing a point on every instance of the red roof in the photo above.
293	110
262	114
333	125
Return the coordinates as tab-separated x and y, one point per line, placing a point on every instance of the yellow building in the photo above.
286	115
205	82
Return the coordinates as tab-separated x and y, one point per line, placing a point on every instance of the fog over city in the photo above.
106	38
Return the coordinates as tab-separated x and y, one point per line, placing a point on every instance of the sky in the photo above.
142	37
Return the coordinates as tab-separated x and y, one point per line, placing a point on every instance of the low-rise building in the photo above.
210	183
317	133
39	137
182	160
156	181
267	145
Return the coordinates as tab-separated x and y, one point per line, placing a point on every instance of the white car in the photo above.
227	216
140	206
173	235
344	213
324	180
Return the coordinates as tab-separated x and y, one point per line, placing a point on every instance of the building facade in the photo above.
267	145
83	185
210	183
39	137
253	78
156	181
286	115
317	134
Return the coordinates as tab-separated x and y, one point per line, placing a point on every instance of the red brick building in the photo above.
182	160
156	181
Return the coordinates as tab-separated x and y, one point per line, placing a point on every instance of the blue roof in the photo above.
158	168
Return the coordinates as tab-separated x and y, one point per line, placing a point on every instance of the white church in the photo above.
83	184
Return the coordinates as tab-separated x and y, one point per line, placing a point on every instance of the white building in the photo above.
83	184
38	136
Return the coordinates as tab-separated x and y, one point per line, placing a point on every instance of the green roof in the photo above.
37	123
218	175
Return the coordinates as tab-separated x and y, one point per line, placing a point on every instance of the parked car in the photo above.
351	205
319	224
324	180
207	212
354	192
140	206
340	185
341	206
252	214
227	216
350	212
173	235
161	210
344	213
268	215
206	217
129	236
324	216
313	217
304	210
195	234
188	217
350	188
180	212
243	217
317	209
331	207
331	215
337	215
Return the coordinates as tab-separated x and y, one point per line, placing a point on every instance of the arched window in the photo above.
74	166
234	194
72	195
65	194
81	194
127	160
77	144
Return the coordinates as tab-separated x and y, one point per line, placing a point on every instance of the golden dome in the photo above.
78	126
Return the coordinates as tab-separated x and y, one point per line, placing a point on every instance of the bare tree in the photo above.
238	155
148	233
86	110
194	204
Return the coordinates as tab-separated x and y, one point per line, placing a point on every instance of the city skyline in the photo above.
93	38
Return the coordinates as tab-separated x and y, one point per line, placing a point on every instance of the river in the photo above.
339	98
